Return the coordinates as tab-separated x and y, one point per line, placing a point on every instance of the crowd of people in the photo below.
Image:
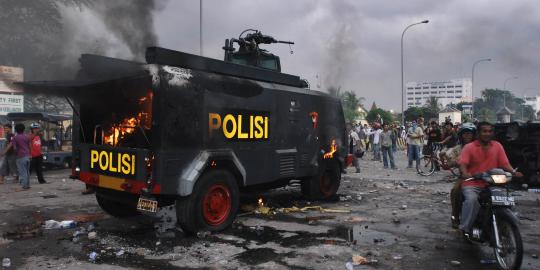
417	138
21	154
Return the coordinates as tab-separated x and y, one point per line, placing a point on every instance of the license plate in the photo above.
147	205
503	200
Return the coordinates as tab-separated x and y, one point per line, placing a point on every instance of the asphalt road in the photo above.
397	219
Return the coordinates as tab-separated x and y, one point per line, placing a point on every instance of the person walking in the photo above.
36	163
21	144
395	131
387	137
414	135
376	133
354	147
8	166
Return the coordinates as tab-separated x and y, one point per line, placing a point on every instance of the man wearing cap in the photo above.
36	163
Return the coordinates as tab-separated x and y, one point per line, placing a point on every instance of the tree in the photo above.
385	115
433	104
350	103
492	100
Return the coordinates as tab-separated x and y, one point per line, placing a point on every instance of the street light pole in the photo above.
402	80
472	83
504	88
200	27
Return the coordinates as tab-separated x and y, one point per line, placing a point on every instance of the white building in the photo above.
453	91
534	102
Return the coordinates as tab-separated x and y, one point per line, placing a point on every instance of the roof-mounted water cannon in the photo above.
249	52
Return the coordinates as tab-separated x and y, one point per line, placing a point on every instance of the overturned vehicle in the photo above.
193	132
521	142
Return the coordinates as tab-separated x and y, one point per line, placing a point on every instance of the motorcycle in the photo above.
495	223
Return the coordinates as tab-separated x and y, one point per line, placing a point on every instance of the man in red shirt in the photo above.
479	156
36	163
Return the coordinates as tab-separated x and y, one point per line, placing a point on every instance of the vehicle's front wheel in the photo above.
212	205
325	184
116	209
510	254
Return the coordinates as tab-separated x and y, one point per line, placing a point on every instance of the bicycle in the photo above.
429	162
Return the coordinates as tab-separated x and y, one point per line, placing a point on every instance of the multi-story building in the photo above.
452	91
534	102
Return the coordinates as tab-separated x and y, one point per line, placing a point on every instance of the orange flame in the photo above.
333	149
128	125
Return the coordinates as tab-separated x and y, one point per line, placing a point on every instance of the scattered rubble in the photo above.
455	263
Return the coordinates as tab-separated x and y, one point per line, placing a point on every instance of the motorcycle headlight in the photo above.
500	179
44	157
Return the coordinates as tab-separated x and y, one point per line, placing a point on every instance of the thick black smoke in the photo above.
46	38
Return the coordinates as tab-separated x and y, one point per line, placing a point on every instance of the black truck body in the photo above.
169	131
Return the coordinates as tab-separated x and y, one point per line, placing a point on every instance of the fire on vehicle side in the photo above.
194	132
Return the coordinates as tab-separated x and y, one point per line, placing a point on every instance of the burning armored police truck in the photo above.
193	132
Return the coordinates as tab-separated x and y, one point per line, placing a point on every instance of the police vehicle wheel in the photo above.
212	205
116	209
325	184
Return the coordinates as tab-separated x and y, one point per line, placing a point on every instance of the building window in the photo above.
425	87
450	86
410	104
409	88
458	86
418	88
433	87
433	92
442	86
418	93
442	92
425	92
410	98
458	96
450	91
458	91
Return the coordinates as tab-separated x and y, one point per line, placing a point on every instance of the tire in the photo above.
213	204
116	209
426	167
510	238
325	184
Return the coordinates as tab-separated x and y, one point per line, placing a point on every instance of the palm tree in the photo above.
433	104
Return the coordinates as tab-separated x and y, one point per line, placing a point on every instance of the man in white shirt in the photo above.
376	141
354	147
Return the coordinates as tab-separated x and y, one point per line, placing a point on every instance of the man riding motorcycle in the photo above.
479	156
466	135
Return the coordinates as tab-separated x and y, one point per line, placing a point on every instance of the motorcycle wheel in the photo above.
510	256
426	167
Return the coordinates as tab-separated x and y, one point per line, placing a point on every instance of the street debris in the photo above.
359	260
120	253
488	261
6	262
403	207
535	256
455	263
415	247
313	208
203	234
93	256
349	266
53	224
49	196
92	235
4	241
397	257
396	220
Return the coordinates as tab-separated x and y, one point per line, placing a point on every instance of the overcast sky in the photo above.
356	44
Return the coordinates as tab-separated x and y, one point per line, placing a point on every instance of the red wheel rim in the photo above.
217	204
326	184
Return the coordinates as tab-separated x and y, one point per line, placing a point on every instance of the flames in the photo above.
129	125
333	149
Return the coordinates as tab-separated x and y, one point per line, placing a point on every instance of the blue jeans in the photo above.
388	154
377	151
414	154
470	208
23	167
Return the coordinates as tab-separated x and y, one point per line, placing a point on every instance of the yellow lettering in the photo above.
125	164
240	134
118	162
251	126
266	127
133	164
214	122
103	157
259	132
94	157
111	165
229	133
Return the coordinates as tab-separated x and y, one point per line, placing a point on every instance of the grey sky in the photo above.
356	44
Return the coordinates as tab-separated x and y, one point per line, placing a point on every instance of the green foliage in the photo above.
385	115
492	100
